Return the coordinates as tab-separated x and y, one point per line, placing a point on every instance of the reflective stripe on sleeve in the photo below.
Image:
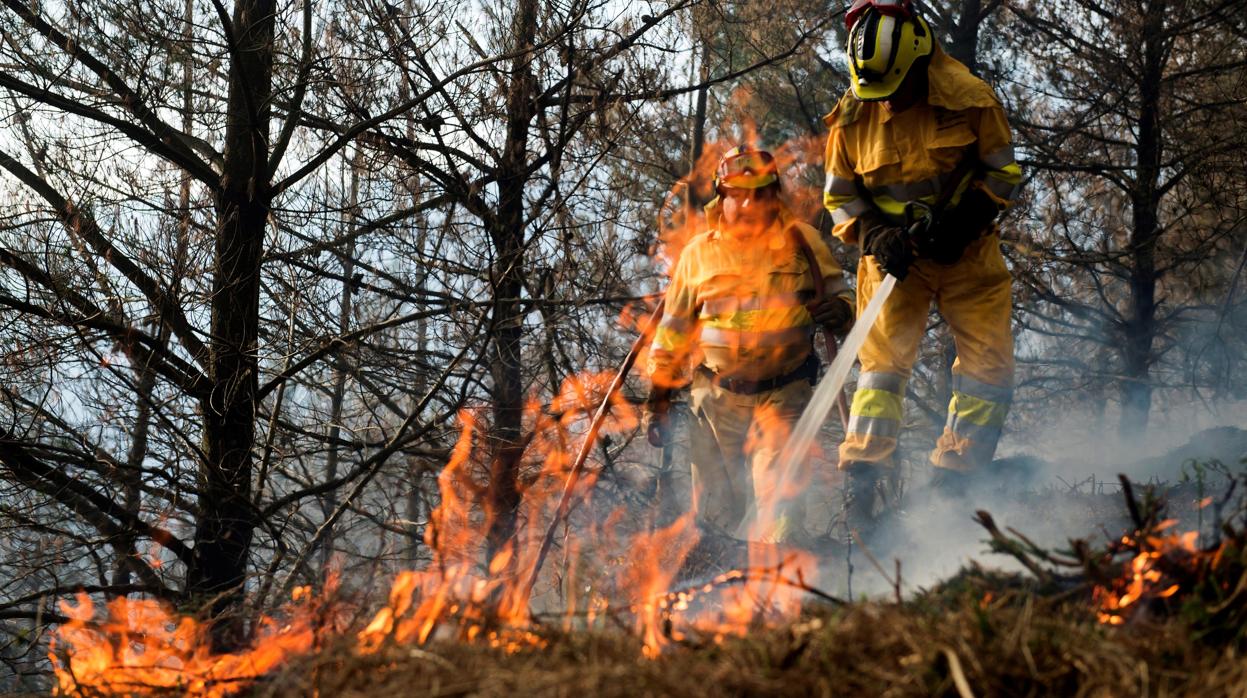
1000	159
839	186
677	324
1005	190
852	209
670	340
891	209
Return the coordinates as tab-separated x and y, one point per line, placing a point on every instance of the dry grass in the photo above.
980	633
1016	642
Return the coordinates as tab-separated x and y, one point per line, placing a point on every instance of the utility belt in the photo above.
808	370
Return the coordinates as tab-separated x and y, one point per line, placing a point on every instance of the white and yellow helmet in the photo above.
885	41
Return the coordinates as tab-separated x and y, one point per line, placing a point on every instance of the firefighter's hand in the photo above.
955	230
657	420
890	246
833	313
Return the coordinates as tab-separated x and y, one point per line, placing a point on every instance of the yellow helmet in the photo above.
882	49
745	167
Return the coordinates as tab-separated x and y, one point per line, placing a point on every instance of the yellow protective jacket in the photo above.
877	159
737	304
880	159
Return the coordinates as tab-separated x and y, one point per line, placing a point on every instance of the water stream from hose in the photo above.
760	525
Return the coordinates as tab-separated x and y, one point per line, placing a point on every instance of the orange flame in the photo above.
680	220
144	648
1143	578
468	593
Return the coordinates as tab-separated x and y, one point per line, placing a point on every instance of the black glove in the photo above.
657	421
888	244
957	228
834	313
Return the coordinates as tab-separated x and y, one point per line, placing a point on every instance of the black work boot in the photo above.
861	487
952	484
952	477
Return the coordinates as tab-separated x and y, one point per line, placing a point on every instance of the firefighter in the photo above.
898	139
739	316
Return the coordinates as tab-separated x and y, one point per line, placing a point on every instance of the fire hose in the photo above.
830	390
829	340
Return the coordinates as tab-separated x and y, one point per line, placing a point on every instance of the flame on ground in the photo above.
615	567
143	647
1145	579
611	566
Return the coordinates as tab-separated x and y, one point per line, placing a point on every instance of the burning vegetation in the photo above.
519	597
614	573
1151	610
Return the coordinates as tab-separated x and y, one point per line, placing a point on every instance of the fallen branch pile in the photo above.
1151	572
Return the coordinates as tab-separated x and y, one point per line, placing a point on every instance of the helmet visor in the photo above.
752	169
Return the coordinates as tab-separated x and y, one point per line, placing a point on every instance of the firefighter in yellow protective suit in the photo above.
740	314
914	123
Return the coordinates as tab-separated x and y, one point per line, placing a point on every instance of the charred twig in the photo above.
1046	555
894	583
744	576
1004	544
1133	507
801	584
897	589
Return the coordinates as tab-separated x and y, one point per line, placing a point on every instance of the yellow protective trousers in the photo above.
973	295
735	440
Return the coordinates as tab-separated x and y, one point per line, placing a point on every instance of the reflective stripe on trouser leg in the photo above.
976	299
874	418
976	418
887	357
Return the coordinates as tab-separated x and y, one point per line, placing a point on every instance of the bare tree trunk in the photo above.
1140	329
226	518
130	479
508	278
329	502
417	476
963	34
698	138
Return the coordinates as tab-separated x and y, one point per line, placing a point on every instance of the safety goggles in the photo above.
902	9
751	169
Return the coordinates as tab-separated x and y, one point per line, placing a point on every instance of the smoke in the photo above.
1055	485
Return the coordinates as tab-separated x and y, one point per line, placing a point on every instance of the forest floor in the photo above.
980	634
1142	611
1152	600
